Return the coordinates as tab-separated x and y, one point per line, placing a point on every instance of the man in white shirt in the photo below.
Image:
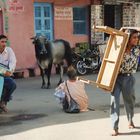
7	60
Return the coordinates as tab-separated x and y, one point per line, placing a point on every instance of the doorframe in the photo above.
113	20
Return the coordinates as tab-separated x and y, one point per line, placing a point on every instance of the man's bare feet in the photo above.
131	125
115	132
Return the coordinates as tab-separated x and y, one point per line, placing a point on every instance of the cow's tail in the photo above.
68	52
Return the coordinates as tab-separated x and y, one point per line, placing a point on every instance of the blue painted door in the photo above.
43	20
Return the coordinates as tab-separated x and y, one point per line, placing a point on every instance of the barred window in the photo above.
80	20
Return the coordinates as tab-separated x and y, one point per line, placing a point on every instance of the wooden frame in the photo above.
112	58
124	28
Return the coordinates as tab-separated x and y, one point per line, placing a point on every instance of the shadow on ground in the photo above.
33	107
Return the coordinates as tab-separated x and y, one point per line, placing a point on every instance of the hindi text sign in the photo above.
15	6
63	13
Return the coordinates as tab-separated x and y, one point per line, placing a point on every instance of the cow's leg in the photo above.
61	74
43	78
49	74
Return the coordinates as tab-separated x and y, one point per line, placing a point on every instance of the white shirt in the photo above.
8	58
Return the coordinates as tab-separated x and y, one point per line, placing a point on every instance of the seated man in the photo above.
7	60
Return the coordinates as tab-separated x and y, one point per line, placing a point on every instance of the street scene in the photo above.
34	113
69	69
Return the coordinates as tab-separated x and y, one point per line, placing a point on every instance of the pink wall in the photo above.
64	28
21	29
66	2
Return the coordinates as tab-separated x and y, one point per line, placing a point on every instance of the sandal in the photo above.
115	132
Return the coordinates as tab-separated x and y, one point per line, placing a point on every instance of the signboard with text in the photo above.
14	6
63	13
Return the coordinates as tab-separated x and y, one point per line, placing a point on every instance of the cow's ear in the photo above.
33	38
46	40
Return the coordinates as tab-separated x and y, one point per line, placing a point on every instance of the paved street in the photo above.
35	114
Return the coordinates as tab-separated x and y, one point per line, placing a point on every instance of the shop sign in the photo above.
63	13
14	6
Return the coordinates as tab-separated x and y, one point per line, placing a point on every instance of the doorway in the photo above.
113	16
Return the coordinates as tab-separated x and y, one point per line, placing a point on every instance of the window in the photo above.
80	20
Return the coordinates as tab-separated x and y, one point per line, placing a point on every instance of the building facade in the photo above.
116	14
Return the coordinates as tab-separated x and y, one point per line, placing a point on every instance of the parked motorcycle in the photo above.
89	60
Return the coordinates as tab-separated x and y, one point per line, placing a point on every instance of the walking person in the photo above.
7	60
125	83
